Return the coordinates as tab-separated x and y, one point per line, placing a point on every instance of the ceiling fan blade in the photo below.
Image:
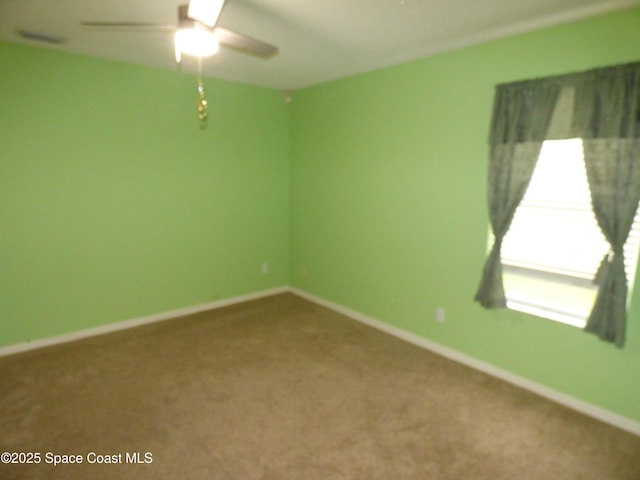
205	11
166	26
238	41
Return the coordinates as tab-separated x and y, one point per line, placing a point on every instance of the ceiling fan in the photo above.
198	34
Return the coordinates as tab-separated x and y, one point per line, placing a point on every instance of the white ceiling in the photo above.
319	40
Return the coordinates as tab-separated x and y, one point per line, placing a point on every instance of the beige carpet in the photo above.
279	389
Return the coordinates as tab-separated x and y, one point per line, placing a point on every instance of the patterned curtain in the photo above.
521	116
606	115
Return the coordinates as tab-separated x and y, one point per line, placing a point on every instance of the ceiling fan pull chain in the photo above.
202	102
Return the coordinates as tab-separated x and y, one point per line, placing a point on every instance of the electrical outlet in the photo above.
440	314
265	268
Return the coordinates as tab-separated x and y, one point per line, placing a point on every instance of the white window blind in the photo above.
554	245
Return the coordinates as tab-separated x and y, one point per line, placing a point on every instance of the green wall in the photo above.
115	205
388	209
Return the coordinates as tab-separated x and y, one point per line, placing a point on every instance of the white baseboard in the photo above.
589	409
136	322
581	406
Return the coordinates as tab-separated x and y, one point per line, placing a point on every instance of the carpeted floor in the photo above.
280	389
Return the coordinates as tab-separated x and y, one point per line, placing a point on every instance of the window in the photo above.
554	246
602	107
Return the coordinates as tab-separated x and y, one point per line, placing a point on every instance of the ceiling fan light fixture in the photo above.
198	42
